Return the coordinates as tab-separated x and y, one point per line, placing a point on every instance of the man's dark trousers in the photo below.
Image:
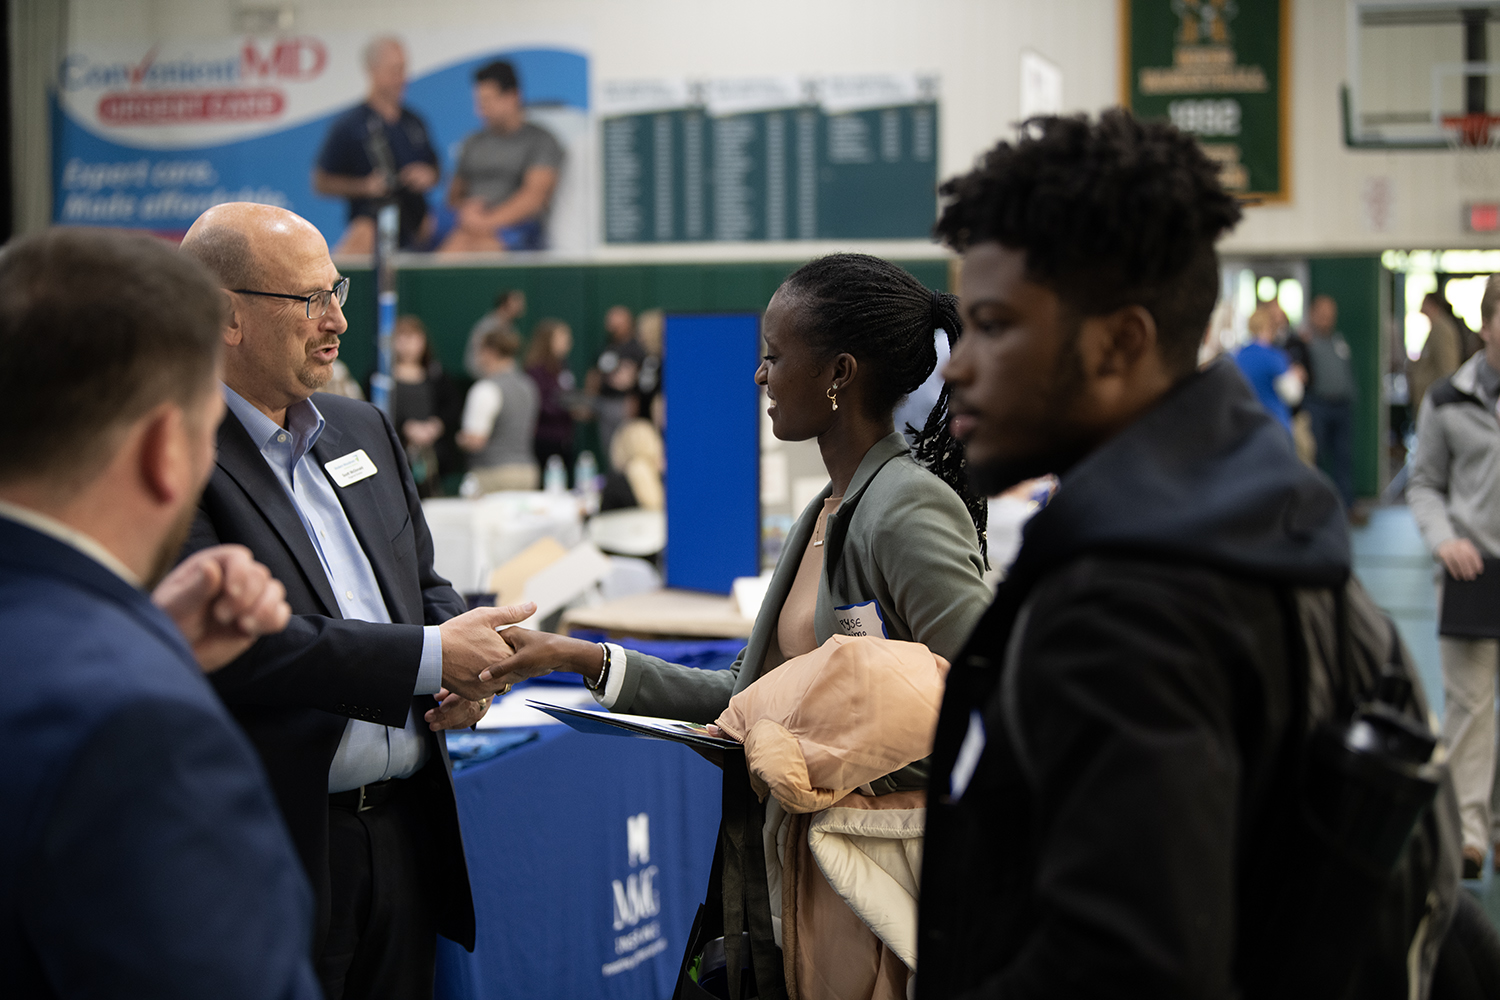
1333	429
371	868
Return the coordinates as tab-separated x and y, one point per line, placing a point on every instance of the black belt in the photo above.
365	796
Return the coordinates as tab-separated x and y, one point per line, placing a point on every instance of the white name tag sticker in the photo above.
861	619
968	757
350	468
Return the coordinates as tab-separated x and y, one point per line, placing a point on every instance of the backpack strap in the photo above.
1346	658
1343	657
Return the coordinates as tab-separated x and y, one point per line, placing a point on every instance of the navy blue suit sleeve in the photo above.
165	869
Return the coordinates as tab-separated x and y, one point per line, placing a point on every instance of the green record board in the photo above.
1217	69
683	175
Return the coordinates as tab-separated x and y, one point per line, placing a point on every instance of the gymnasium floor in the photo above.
1394	566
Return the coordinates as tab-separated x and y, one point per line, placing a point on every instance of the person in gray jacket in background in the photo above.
499	420
1454	495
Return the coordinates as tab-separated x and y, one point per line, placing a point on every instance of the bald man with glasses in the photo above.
344	707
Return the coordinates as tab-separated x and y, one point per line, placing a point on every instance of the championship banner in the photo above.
1217	69
148	137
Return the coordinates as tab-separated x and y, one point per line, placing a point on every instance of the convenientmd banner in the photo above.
147	137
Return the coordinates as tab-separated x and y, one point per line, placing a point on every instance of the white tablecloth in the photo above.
473	537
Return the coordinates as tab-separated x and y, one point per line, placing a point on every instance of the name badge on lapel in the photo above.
861	619
351	468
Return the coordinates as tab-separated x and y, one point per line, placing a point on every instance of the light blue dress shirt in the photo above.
368	752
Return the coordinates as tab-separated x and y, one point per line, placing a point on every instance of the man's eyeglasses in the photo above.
317	302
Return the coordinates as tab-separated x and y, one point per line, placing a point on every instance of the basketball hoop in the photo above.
1480	129
1475	138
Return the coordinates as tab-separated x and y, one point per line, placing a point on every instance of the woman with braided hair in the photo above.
892	547
873	311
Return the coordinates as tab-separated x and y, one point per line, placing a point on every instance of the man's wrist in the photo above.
430	664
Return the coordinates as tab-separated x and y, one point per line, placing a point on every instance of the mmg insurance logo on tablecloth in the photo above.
636	902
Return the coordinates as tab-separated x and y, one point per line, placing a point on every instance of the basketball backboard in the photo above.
1419	70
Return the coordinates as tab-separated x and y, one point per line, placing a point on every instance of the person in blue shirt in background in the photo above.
1277	382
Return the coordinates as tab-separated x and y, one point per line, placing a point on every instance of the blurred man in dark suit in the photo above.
143	853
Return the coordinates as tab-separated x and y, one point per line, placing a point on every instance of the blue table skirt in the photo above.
589	857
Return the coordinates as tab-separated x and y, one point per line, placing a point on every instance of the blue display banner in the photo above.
149	140
713	450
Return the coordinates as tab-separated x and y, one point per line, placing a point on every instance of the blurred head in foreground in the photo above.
109	351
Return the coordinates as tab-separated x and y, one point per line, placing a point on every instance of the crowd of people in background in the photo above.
517	405
1306	381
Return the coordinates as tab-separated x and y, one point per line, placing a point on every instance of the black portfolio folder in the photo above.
1471	608
604	723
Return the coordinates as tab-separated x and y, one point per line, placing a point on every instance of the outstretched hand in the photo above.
222	600
538	653
471	645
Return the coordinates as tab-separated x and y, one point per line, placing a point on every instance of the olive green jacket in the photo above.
901	537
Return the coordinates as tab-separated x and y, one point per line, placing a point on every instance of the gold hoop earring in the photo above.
833	396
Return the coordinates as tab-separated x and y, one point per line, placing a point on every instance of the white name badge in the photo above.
968	757
351	468
861	619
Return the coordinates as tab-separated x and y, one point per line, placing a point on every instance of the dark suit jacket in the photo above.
294	692
141	853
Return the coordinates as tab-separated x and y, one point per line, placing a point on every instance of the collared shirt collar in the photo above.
304	424
70	536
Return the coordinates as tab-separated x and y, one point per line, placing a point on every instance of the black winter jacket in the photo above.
1113	768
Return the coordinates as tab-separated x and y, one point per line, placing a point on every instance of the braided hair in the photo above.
855	304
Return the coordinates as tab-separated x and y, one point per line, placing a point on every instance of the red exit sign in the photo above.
1482	217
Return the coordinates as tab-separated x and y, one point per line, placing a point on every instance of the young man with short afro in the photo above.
1114	775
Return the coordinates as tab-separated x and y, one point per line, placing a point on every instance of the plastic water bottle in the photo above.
555	478
586	482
